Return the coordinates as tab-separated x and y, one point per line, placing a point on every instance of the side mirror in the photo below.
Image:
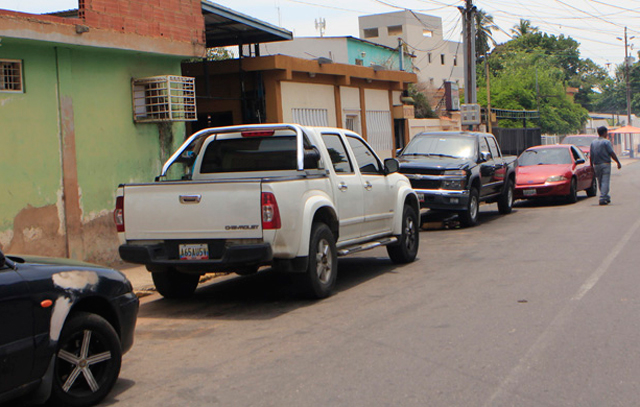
484	156
580	161
391	165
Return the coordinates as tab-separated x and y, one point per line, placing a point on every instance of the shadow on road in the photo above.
265	295
547	202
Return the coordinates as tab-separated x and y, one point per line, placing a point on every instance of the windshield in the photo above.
578	141
441	145
544	156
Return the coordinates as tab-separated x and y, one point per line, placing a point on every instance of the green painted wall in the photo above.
30	164
110	148
376	55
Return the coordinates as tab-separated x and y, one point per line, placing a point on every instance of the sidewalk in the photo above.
140	279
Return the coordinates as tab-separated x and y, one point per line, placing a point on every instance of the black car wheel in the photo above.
505	202
407	248
469	217
322	267
87	361
171	283
593	190
573	192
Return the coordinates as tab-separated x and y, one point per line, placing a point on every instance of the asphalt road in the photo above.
537	308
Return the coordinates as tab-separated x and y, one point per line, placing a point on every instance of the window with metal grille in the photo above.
352	122
11	76
379	129
310	117
164	99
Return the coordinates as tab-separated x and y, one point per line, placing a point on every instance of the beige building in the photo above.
437	58
279	88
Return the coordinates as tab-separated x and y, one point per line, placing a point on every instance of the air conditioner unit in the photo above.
166	98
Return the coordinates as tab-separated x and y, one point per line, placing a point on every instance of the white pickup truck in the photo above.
293	197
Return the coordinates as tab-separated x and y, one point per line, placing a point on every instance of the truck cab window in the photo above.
365	158
338	154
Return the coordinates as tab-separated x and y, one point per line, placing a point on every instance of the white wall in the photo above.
310	48
308	96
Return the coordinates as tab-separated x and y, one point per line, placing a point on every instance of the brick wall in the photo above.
177	20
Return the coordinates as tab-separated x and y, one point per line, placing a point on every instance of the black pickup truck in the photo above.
455	171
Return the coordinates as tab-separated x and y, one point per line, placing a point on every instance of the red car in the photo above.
582	141
554	170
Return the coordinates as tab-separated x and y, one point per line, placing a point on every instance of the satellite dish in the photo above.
324	60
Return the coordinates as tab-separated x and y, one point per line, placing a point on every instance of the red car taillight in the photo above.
270	211
118	214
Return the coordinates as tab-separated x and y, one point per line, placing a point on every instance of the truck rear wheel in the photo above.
469	217
322	267
406	249
170	283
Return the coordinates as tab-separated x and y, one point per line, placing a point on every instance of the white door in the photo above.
348	192
379	194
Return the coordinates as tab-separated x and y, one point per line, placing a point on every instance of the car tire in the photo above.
469	217
171	283
505	202
87	361
573	192
406	250
322	265
593	189
246	271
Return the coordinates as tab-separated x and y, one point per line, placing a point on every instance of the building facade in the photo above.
280	88
67	114
342	50
437	59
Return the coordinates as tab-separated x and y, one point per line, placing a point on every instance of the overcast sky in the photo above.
593	23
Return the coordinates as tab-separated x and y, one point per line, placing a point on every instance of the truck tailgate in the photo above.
212	210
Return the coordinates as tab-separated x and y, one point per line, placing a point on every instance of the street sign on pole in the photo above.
470	114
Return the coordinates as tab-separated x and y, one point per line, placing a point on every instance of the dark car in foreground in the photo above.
64	326
554	170
455	171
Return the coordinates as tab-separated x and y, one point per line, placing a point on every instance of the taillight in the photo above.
270	211
118	214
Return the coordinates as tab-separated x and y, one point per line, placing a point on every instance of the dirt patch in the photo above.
101	241
36	231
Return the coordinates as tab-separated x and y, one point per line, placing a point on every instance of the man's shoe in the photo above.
604	203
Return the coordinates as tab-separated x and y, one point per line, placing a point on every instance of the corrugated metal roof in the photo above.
225	27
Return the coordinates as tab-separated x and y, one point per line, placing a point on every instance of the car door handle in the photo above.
368	186
190	199
342	186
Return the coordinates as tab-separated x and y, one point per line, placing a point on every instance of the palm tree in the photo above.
484	35
523	28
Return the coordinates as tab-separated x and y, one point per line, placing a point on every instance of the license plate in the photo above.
194	251
421	197
529	192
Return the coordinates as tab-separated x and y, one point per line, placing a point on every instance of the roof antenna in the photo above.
321	25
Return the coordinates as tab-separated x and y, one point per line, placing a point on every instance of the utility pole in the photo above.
626	75
469	41
486	70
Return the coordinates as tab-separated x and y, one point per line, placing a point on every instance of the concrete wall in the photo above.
309	96
310	48
70	140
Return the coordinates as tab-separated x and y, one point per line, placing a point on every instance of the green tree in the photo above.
421	103
218	54
523	28
484	32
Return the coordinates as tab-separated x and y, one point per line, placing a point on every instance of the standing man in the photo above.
600	158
